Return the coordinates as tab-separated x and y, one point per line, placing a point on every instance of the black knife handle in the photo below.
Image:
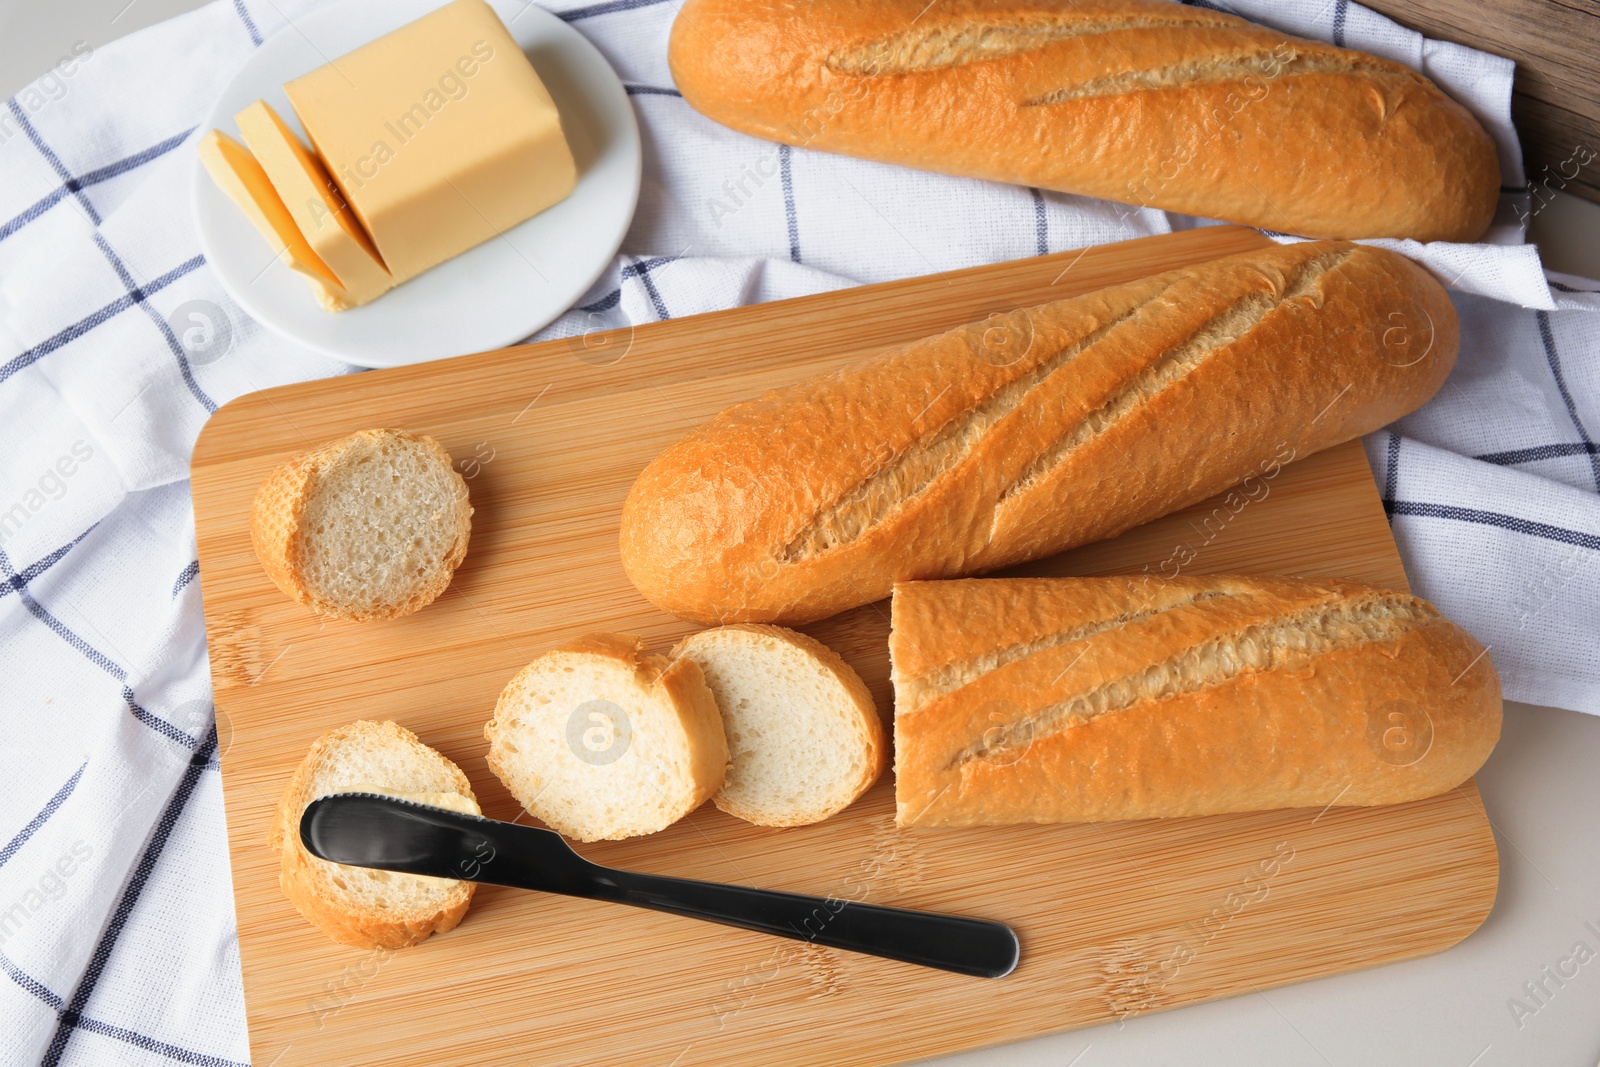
947	942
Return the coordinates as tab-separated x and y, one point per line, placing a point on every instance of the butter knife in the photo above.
368	830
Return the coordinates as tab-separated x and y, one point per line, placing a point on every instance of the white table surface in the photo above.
1541	789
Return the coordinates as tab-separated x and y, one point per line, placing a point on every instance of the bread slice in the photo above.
371	526
602	740
361	906
804	737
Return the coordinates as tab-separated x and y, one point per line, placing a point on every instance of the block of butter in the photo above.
439	136
315	205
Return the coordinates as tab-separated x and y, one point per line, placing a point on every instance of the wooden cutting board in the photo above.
1114	920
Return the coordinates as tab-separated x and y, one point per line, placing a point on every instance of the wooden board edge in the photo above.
1483	890
246	404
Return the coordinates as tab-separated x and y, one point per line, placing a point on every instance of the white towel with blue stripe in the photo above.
116	919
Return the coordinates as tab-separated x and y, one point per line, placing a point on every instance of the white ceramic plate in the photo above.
487	297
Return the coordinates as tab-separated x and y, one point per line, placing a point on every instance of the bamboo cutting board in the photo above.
1114	920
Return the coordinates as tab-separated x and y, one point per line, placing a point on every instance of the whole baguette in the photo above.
1145	102
1100	699
1033	432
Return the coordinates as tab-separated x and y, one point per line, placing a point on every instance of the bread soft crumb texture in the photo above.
804	738
601	740
359	906
371	526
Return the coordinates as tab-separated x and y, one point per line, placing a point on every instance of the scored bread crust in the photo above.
1139	101
278	511
954	437
299	872
1194	727
869	735
681	687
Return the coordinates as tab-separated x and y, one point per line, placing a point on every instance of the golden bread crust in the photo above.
277	527
1101	699
1138	101
1033	432
301	875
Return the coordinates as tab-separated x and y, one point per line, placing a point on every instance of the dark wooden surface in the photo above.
1556	107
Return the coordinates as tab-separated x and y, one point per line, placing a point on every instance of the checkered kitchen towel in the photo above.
116	923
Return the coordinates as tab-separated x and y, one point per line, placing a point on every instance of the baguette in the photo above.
1100	699
1033	432
1148	103
804	738
602	740
358	906
371	526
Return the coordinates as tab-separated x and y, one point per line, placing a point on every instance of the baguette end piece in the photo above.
372	526
356	906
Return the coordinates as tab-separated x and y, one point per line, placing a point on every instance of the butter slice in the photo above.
449	801
314	203
241	177
439	135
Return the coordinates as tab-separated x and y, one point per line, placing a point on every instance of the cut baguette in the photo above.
359	906
804	737
1147	697
371	526
601	740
